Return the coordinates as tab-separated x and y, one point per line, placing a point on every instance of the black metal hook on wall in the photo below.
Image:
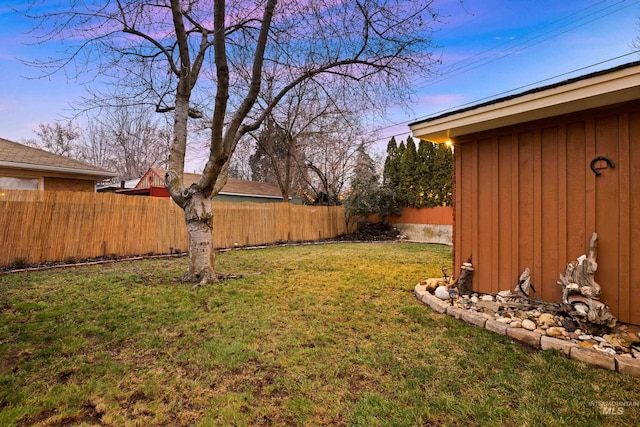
596	169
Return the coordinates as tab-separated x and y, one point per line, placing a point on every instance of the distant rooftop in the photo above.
154	177
18	156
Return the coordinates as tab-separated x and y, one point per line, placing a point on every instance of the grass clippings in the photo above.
326	335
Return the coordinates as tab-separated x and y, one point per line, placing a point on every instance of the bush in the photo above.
20	262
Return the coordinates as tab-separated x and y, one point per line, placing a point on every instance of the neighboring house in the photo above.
537	173
235	190
24	167
114	185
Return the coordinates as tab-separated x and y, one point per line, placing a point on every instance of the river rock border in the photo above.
625	365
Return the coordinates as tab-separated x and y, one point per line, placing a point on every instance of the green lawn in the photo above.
327	335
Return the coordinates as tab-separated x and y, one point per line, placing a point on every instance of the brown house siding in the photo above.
64	184
538	203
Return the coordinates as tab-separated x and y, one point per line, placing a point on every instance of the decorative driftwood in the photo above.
524	286
580	292
465	279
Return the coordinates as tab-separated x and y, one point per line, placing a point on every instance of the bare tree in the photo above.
57	137
193	58
302	118
126	139
239	165
329	159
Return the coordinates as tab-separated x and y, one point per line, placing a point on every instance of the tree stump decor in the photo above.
580	292
465	279
524	286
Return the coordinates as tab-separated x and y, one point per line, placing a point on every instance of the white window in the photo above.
11	183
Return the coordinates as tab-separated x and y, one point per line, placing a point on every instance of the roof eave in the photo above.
58	169
604	89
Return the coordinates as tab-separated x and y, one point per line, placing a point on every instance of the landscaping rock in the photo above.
442	292
628	365
593	357
529	324
633	336
556	332
605	350
497	327
474	318
436	304
588	343
525	336
547	343
489	305
516	323
455	312
546	319
619	341
612	348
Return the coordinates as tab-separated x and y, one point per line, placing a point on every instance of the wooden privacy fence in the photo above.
54	226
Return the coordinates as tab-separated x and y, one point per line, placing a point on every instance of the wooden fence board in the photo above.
54	226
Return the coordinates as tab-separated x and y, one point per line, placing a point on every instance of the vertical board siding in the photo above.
576	195
54	226
505	241
526	197
562	256
623	202
465	221
607	210
633	295
525	205
486	233
549	240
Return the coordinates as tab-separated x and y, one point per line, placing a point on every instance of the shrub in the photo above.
20	262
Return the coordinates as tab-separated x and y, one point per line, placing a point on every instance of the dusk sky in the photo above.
488	47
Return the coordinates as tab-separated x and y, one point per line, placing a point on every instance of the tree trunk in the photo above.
199	220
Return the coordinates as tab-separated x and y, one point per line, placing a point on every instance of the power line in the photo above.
467	64
506	52
526	34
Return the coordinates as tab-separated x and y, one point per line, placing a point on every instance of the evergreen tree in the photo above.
442	181
419	178
424	169
389	200
391	165
362	200
408	174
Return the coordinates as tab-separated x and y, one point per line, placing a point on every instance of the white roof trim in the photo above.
43	168
598	91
